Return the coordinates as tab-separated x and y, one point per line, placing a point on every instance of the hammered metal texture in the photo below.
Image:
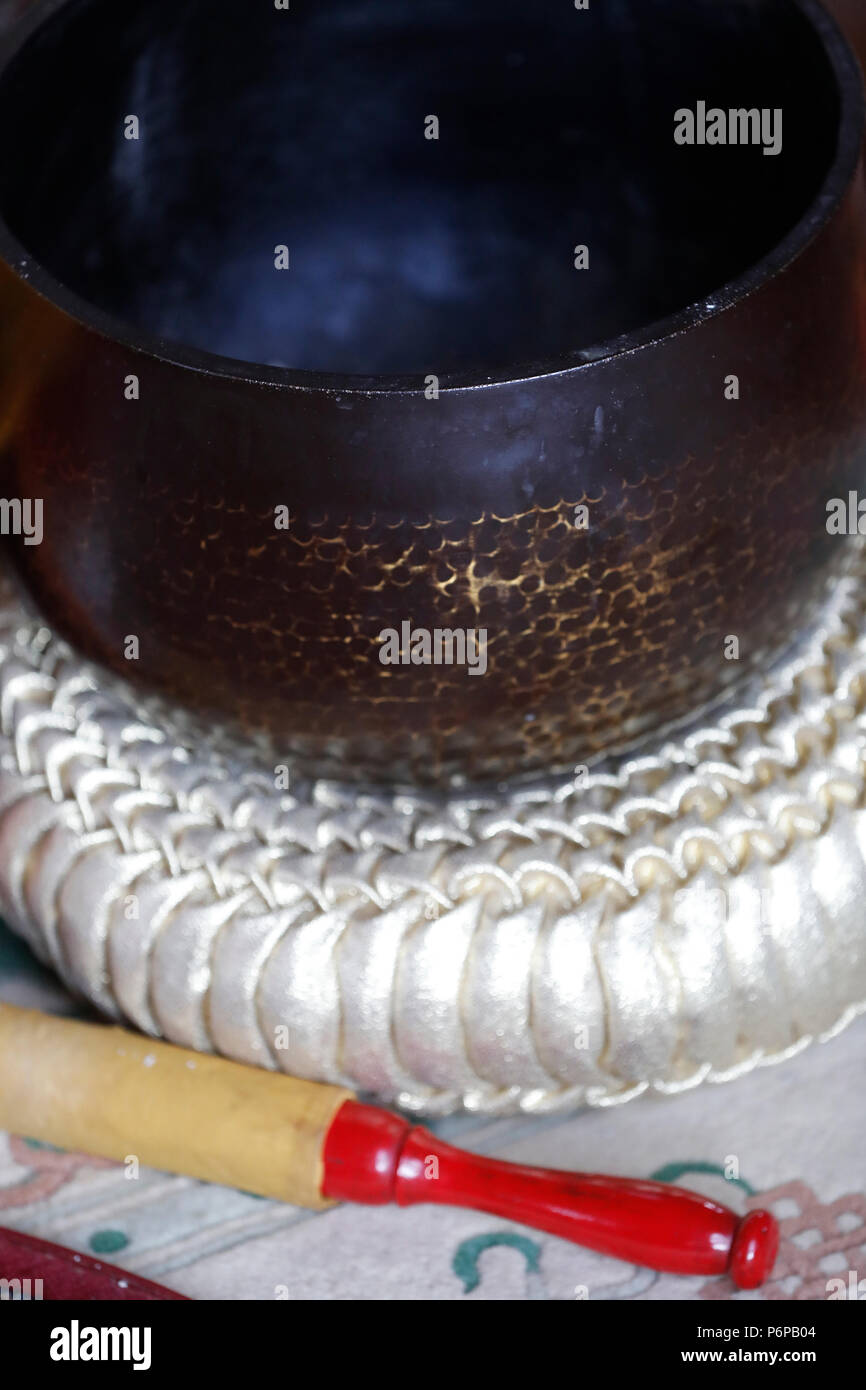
682	917
594	637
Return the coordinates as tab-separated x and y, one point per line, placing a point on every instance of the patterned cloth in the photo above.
787	1137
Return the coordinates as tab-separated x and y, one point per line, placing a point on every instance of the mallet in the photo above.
104	1091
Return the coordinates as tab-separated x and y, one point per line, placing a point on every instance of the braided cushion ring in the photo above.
681	916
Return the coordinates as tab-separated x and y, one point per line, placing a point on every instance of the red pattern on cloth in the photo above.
800	1271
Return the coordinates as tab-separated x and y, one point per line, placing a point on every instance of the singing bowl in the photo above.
426	377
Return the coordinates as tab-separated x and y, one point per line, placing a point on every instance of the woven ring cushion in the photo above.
667	919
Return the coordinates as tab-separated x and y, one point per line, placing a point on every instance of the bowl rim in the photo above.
834	187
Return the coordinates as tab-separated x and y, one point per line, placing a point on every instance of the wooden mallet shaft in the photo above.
102	1090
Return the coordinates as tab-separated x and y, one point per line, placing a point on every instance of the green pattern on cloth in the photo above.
673	1172
468	1253
108	1242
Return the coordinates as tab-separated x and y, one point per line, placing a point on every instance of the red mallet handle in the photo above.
373	1156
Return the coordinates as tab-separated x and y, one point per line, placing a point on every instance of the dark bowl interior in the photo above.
262	127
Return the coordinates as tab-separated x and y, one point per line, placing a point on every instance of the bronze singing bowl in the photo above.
259	387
